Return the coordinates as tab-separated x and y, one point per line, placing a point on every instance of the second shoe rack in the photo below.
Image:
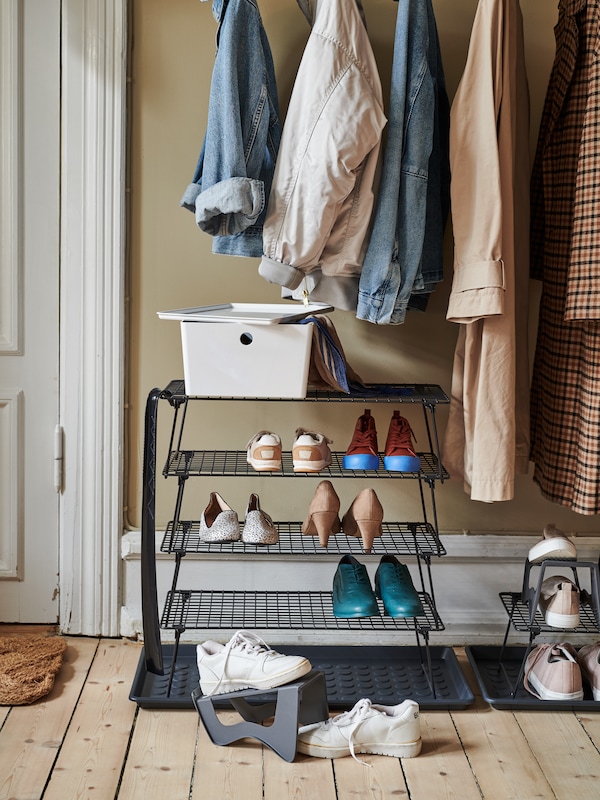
187	609
500	670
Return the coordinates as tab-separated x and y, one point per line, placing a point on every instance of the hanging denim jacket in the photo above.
232	181
403	263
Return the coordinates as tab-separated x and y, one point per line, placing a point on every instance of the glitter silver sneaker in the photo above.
219	522
259	528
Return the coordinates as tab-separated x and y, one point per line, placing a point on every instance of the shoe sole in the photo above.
265	540
595	689
402	463
562	620
271	682
206	537
548	694
403	750
361	461
265	466
310	466
548	549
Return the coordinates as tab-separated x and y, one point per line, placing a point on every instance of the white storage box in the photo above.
246	349
238	359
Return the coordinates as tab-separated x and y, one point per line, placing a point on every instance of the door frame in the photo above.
92	316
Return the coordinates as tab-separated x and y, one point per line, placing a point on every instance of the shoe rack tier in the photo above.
294	610
197	463
399	538
231	610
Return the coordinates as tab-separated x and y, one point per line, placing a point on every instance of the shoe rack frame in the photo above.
186	609
500	671
524	613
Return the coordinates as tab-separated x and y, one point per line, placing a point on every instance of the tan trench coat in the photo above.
486	441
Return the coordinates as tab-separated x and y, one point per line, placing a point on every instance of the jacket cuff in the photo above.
478	275
280	273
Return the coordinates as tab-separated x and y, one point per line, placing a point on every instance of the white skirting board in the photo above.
466	584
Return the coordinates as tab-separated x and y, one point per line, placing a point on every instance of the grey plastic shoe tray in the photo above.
497	679
385	675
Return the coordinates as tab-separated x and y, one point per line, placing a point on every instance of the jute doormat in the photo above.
28	667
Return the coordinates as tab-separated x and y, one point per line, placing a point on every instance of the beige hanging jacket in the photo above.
486	441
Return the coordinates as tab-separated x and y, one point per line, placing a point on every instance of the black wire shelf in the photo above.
205	609
186	463
518	611
420	393
399	538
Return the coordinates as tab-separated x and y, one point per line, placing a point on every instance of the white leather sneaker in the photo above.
366	728
245	662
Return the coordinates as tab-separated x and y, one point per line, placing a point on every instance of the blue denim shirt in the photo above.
232	181
403	263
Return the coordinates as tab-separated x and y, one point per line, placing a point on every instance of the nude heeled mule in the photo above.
364	518
323	517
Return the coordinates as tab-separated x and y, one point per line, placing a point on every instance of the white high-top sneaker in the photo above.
366	728
245	662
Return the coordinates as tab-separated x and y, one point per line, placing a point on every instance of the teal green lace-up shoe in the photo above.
394	586
353	594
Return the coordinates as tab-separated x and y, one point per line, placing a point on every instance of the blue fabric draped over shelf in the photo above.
329	368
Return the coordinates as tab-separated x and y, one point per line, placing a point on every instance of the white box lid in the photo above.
257	313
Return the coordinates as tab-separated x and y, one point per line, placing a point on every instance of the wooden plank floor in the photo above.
86	739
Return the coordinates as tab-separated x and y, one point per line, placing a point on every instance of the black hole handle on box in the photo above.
246	338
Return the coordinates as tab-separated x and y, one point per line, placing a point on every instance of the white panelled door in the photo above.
29	309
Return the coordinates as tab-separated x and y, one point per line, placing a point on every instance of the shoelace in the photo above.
353	718
245	641
402	435
554	653
365	438
359	573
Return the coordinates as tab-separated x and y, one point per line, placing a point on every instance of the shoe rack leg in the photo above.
152	645
427	664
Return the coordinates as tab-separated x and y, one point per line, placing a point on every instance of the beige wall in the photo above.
171	266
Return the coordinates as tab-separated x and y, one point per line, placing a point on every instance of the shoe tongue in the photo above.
560	652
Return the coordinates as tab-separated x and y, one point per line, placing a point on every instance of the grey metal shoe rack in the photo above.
500	670
167	673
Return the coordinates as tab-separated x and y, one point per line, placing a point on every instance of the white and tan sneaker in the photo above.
366	728
264	452
245	662
310	452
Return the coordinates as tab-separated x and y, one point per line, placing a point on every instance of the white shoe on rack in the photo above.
310	452
245	662
366	728
264	452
